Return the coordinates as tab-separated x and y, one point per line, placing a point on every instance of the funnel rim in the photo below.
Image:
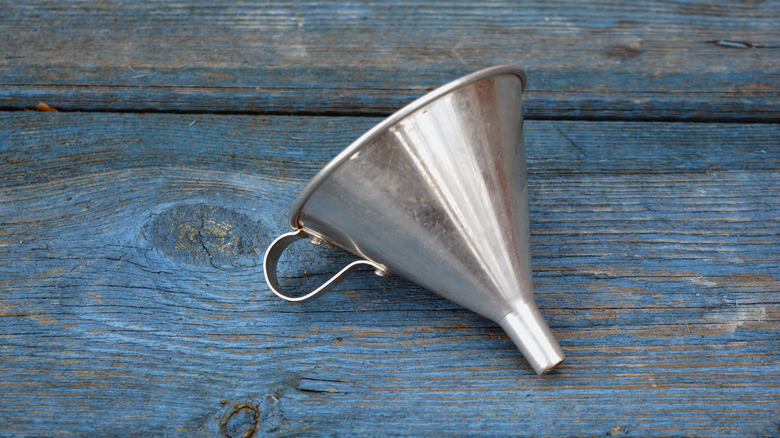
396	117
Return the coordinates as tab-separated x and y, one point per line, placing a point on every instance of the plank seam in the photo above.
381	114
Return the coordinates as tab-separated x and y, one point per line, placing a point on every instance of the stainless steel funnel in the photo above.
437	194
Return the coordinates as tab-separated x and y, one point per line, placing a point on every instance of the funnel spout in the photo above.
527	329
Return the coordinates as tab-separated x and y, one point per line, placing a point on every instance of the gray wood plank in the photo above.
654	60
132	299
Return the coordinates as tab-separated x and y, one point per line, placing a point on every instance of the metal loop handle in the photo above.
275	251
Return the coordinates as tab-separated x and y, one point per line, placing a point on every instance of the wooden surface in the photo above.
131	292
607	59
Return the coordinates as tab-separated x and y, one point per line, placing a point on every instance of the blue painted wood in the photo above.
654	60
132	300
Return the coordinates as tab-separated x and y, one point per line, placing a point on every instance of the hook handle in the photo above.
275	251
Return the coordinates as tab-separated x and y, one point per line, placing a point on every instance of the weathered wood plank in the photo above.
131	296
651	60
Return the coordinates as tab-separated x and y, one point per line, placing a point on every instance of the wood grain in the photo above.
132	300
656	60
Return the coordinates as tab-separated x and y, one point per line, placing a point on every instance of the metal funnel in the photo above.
437	194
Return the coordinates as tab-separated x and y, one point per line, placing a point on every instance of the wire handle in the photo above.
275	251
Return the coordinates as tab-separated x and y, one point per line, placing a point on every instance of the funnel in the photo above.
437	194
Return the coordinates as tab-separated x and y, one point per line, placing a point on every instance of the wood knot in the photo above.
240	421
203	234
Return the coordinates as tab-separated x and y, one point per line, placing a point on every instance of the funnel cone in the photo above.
437	194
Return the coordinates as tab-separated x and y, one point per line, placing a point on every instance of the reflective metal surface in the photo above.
281	243
437	194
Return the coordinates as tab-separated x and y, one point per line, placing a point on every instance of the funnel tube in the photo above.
527	329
